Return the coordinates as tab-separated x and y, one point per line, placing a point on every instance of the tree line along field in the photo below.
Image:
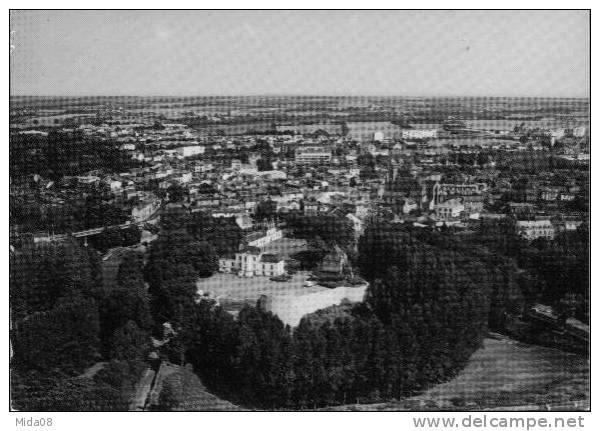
505	374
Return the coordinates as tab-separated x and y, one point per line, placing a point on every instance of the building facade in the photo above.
533	229
190	150
252	263
312	155
448	210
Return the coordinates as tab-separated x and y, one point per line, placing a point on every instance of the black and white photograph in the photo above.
299	211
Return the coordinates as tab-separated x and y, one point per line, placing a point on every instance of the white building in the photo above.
579	131
557	133
532	229
244	221
357	224
115	185
185	178
272	175
128	147
419	133
572	224
253	263
449	209
309	155
190	150
144	210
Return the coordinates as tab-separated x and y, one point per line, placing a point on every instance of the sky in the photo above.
395	53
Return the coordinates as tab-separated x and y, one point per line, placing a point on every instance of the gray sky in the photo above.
418	53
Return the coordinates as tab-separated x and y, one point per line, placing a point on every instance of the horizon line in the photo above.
301	95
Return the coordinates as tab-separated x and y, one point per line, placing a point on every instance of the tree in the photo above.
121	306
176	193
66	394
130	344
331	229
222	233
367	165
173	248
42	274
63	153
167	399
130	274
65	337
266	210
174	295
112	237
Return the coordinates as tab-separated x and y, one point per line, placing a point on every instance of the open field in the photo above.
230	286
289	300
506	375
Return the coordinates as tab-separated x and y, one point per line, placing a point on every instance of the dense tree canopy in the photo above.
62	322
426	312
330	228
222	233
41	274
116	237
65	337
64	153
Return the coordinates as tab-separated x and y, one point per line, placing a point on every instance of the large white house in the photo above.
252	262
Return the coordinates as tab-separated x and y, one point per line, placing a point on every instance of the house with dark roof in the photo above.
252	262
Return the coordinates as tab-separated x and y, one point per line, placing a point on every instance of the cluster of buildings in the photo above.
317	169
425	175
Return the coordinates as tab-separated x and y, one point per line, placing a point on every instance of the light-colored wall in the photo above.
291	308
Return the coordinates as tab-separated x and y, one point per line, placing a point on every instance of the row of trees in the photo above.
116	237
